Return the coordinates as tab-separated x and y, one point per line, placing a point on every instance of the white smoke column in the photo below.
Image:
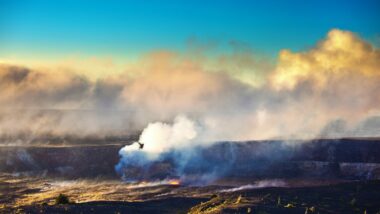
160	137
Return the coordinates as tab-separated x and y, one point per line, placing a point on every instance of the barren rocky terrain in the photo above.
321	176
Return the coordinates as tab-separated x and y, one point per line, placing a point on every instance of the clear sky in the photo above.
45	28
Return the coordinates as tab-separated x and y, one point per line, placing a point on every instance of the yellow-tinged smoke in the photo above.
333	87
341	54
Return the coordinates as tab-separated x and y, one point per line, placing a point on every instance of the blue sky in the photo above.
48	28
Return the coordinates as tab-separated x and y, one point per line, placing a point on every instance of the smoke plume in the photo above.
161	142
330	90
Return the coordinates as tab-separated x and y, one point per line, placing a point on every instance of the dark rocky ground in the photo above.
319	176
352	197
169	205
344	158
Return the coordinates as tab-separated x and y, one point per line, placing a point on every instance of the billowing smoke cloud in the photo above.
330	90
342	54
158	139
161	137
172	150
338	80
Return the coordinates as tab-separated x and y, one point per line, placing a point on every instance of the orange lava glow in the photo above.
174	182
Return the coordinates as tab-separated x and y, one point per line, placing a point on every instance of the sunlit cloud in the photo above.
233	96
341	54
